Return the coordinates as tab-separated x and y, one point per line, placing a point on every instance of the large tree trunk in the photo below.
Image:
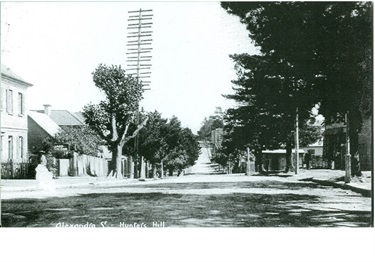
258	160
154	175
355	122
162	169
117	171
289	161
142	170
115	167
131	167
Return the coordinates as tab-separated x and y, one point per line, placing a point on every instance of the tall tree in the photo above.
112	117
268	95
326	44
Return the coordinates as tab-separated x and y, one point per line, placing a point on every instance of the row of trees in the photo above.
310	54
116	122
167	144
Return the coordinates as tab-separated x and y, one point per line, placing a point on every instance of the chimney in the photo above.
47	109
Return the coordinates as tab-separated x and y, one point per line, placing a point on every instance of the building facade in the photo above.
334	149
14	126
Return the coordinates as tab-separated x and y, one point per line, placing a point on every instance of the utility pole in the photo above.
138	61
348	165
297	144
248	165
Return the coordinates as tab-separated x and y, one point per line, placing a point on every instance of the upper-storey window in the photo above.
21	104
9	101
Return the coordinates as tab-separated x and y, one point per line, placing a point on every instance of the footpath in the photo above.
19	185
335	178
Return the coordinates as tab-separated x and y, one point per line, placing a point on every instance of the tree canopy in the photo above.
328	39
311	52
80	139
209	124
164	141
112	117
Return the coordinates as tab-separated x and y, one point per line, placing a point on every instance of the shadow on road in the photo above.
180	210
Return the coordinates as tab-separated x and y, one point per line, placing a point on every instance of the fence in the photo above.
90	165
15	170
81	165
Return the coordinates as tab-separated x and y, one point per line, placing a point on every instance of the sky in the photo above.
57	45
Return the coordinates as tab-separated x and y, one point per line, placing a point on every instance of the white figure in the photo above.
43	176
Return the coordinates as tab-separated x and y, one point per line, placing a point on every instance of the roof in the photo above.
7	72
65	118
45	122
319	143
79	116
281	151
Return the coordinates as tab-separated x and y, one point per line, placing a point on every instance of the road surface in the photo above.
199	199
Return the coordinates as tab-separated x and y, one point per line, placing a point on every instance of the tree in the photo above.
164	141
184	152
209	124
327	45
80	139
267	94
151	139
112	117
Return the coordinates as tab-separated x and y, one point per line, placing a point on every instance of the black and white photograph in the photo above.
150	116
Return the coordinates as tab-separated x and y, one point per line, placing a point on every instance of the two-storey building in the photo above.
13	116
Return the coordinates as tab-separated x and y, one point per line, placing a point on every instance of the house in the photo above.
63	118
41	127
14	126
275	160
334	147
316	152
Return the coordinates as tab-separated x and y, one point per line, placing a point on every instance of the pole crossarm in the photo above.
139	39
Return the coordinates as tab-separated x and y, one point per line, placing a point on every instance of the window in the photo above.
20	147
10	147
9	101
2	143
311	151
21	102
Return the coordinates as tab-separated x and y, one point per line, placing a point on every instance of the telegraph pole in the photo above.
139	60
347	156
297	144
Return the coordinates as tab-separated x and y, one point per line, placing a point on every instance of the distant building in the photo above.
41	127
13	116
315	149
63	118
275	160
217	138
